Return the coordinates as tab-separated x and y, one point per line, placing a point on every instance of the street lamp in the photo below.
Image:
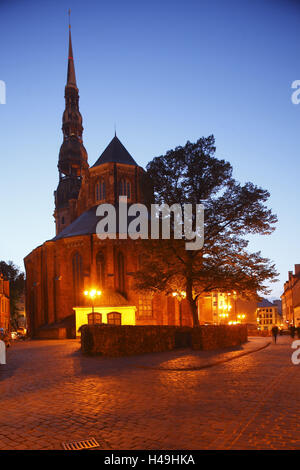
223	315
179	296
241	317
92	294
235	298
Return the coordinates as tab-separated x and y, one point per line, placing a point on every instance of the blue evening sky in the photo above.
165	72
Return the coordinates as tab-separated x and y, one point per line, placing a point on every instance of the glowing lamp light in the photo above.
92	294
179	295
241	316
223	315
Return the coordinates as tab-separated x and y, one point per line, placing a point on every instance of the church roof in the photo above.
86	224
265	303
111	298
115	152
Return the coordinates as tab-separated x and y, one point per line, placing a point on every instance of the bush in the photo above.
87	340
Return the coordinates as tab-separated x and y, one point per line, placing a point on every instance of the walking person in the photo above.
293	331
275	332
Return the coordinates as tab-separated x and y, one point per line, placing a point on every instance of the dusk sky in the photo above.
165	72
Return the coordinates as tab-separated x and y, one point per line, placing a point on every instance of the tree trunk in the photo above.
192	303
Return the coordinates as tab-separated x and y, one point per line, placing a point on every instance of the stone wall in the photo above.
116	341
218	336
52	333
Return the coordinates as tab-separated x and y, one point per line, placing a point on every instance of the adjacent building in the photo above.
4	303
291	298
21	318
226	307
268	316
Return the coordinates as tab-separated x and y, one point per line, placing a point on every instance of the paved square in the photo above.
50	393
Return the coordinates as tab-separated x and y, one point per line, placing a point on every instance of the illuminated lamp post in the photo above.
180	296
228	306
241	317
224	316
92	294
234	298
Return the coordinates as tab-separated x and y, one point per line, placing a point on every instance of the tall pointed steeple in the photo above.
72	163
73	156
71	77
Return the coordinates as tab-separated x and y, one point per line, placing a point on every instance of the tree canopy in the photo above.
192	174
17	286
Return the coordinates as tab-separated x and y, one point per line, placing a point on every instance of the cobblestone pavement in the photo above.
50	393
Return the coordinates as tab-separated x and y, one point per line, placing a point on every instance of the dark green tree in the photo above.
192	174
16	280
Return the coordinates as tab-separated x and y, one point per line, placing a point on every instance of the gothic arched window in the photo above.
100	190
100	268
124	188
121	272
77	277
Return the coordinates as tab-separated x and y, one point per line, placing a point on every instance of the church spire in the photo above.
72	156
72	162
71	77
72	119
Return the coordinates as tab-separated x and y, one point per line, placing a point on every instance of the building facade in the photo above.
4	303
291	298
226	307
268	316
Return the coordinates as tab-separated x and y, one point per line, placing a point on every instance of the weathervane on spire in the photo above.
69	13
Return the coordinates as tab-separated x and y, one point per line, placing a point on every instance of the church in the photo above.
60	271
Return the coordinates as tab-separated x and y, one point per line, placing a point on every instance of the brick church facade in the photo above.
59	271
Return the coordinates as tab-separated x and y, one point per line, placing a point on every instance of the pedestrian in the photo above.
275	333
292	331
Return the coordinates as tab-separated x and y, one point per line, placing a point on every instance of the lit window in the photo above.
94	318
114	318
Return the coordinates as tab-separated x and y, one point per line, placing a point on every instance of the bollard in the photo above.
2	352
